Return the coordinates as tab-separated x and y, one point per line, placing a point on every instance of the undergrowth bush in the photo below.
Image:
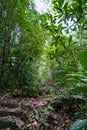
32	91
28	91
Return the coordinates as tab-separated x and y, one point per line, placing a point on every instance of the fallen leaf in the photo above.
8	129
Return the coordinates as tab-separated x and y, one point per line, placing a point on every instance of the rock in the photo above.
53	119
27	107
8	124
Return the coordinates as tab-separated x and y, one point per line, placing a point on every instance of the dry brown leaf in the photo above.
34	122
8	129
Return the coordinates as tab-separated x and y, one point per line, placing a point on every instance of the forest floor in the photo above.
44	112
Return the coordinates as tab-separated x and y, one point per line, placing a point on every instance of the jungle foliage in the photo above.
21	42
49	49
67	25
38	48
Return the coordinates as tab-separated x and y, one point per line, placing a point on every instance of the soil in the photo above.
42	113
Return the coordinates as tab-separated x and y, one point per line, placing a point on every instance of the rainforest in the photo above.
43	65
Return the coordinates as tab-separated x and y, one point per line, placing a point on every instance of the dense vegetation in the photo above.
43	49
67	25
21	45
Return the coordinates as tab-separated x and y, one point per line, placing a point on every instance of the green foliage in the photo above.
32	91
67	44
36	48
27	91
79	124
50	108
83	58
79	83
67	49
21	44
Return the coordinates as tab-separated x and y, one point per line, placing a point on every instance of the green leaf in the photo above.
83	59
79	124
50	107
60	2
70	39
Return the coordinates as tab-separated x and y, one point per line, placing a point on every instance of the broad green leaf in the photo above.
81	89
83	59
70	40
78	124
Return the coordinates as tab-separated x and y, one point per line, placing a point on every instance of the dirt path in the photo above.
35	113
22	111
